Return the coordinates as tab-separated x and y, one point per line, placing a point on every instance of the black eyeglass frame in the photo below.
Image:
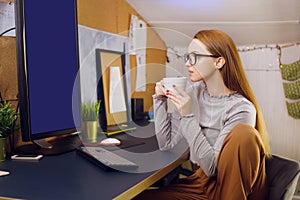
186	57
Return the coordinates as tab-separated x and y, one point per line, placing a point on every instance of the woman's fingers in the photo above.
180	91
181	100
159	90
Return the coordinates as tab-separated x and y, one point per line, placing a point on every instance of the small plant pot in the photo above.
91	130
2	149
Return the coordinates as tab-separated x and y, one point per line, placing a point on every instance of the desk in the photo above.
69	176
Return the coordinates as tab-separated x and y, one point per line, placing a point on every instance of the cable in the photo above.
7	31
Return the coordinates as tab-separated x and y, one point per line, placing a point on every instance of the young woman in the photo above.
220	120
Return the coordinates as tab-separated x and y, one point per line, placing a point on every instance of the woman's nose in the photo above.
187	64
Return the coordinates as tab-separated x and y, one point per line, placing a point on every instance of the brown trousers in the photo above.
241	173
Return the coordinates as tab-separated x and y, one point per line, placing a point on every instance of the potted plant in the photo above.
8	118
90	115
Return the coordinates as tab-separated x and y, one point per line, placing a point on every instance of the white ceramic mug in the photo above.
178	81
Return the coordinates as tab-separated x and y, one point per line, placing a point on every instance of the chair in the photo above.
283	175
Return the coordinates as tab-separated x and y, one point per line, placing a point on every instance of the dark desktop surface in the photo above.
69	176
65	176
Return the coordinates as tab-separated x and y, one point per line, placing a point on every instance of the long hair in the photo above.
219	43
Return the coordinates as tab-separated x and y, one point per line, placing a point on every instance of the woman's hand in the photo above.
182	101
159	90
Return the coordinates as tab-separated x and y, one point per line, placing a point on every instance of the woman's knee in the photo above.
244	134
243	138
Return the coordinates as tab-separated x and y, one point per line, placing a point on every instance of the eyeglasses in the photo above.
192	57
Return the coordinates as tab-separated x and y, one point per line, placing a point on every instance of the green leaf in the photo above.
8	118
90	110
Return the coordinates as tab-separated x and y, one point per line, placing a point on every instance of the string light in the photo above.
271	47
255	47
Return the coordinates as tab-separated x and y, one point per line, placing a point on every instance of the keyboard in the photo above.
106	159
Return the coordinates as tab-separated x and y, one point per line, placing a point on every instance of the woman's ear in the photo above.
220	62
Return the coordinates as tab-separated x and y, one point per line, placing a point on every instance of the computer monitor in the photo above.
47	62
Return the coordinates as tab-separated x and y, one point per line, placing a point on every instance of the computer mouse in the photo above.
110	142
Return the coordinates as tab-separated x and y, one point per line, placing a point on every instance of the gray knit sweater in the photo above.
213	118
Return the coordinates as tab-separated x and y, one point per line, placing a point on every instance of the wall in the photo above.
8	70
114	16
262	69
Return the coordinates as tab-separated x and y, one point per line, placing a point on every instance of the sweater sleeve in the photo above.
205	154
166	124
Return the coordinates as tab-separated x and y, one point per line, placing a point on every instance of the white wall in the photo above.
7	18
262	69
176	66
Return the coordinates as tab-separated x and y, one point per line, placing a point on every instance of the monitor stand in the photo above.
43	144
57	146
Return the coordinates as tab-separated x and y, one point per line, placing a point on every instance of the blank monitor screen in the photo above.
47	67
